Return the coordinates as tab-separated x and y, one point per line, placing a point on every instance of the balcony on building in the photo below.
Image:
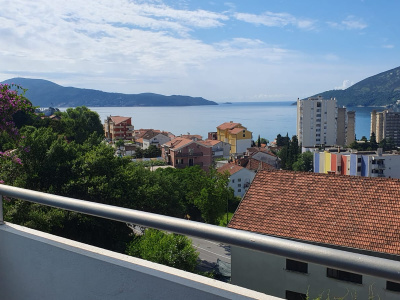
38	265
187	154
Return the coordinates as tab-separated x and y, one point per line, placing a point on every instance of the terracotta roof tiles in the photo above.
347	211
118	119
228	125
231	168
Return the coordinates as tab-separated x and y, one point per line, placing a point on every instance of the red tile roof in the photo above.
231	168
192	136
256	165
178	143
348	211
210	142
118	119
236	130
228	125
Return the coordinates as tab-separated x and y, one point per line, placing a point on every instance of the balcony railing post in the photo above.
1	210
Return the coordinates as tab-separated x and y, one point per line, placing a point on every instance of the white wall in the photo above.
239	179
267	273
242	145
392	166
35	265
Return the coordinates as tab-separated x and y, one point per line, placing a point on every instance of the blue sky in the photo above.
221	50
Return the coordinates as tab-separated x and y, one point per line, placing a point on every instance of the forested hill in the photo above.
378	90
45	93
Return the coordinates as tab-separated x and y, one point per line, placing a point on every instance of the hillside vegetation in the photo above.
45	93
378	90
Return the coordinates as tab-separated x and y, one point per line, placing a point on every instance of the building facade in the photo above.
236	135
239	178
181	153
116	127
386	125
363	163
321	122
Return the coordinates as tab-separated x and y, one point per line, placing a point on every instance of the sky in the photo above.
253	50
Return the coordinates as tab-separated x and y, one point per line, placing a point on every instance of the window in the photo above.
358	169
393	286
295	295
239	179
359	160
339	168
233	180
239	190
343	275
239	185
297	266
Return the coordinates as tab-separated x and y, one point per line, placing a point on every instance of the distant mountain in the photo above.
378	90
45	93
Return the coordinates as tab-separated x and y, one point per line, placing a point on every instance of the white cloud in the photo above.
346	83
271	19
388	46
350	23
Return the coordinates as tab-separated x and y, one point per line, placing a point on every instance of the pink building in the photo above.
182	152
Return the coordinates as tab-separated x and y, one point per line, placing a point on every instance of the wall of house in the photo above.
392	166
267	273
238	180
242	145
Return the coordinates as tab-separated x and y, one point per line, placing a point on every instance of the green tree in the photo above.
304	163
77	124
165	248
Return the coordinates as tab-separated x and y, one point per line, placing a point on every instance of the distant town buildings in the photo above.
350	213
116	127
386	125
321	122
236	135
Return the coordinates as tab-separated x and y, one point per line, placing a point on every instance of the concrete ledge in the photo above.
37	265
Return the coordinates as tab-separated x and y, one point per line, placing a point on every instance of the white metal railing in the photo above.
329	257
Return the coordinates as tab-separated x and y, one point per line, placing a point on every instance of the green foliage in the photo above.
150	152
168	249
289	151
61	160
304	162
378	90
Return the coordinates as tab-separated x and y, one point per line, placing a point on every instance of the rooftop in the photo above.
118	119
230	168
346	211
178	143
228	125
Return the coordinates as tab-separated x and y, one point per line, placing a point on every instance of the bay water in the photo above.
267	119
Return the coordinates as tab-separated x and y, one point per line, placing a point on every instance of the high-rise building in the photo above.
321	122
386	125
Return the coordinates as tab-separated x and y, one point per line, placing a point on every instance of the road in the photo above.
210	251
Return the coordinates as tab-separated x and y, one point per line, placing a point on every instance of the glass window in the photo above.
343	275
297	266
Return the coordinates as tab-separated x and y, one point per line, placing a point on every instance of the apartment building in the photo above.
321	122
236	135
116	127
361	163
386	125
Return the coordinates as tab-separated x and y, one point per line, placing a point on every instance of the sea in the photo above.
267	119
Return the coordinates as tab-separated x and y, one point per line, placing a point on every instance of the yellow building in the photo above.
236	135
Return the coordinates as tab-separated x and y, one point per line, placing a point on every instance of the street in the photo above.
210	251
